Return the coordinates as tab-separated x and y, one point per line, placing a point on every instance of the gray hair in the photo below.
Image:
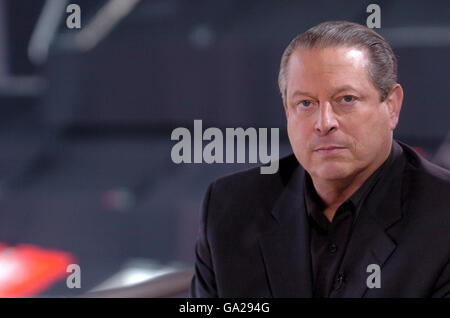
382	61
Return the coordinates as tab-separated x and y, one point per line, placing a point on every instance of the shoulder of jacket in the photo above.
424	169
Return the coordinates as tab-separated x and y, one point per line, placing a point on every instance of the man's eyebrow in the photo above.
344	88
297	93
335	92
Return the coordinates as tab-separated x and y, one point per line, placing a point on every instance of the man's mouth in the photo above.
329	150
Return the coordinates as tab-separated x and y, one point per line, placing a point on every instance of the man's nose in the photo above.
326	121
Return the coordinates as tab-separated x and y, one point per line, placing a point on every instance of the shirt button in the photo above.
332	248
339	282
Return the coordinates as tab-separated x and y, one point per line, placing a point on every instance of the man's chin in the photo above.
332	171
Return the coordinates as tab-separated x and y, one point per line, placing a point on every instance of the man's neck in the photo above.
333	194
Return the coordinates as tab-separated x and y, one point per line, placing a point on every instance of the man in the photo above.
353	213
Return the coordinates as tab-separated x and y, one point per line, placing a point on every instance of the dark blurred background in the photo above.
86	115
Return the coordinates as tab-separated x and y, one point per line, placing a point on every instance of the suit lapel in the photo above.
370	242
285	247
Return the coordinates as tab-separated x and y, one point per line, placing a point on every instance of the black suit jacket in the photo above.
254	236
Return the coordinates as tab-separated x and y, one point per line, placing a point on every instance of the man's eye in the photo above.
305	103
348	99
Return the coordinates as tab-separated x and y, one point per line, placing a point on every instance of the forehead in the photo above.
328	68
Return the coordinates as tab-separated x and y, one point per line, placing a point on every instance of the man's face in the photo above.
337	126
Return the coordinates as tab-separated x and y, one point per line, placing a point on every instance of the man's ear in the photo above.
394	103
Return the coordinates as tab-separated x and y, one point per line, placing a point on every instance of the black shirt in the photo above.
328	240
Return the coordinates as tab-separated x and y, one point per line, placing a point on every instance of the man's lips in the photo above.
329	147
332	149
